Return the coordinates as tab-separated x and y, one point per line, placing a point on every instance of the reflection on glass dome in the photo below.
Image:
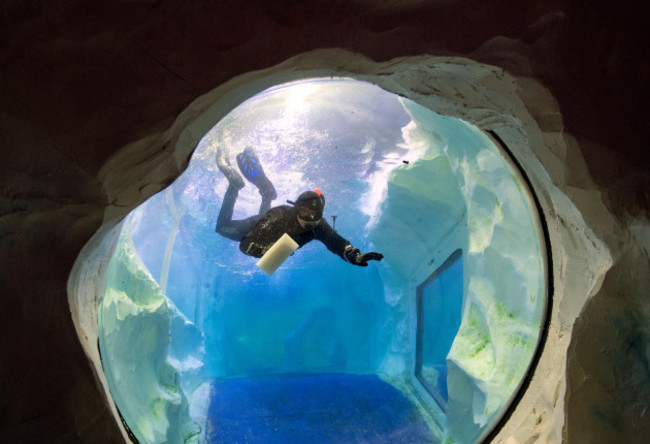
427	345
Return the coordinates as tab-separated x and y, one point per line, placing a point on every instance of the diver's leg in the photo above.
266	204
228	228
225	225
234	179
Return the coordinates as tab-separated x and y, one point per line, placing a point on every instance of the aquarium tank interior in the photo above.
428	345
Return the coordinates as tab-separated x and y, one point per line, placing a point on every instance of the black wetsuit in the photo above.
270	226
257	234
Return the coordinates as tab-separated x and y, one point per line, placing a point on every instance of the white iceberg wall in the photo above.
462	194
150	353
416	229
504	273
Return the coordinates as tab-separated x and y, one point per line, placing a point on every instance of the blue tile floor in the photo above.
312	408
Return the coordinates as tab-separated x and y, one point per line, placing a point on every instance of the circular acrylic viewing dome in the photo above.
430	344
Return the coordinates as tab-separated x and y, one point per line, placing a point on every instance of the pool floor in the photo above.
312	408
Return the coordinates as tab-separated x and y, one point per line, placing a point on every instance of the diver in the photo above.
302	220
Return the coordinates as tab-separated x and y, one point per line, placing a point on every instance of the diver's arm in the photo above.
341	247
331	239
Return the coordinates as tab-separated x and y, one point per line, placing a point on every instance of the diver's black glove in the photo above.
354	256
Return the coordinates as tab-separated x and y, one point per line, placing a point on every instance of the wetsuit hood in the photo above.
310	205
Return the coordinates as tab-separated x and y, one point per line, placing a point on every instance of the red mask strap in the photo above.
320	194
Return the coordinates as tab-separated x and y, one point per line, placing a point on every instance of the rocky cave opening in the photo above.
458	196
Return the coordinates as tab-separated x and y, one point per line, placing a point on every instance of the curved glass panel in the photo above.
427	345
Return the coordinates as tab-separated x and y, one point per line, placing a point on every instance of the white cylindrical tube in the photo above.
277	254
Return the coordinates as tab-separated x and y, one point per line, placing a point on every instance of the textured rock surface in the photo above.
80	81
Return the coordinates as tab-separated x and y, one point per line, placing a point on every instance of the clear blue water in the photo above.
317	315
324	351
253	324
